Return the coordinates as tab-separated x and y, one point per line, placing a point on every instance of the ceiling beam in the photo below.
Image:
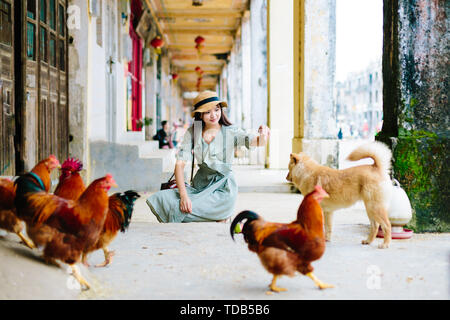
153	14
205	80
203	13
206	48
194	56
205	72
212	31
195	62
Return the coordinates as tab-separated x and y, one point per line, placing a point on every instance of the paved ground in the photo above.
200	261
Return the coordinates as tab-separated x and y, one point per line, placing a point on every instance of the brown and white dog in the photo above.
369	183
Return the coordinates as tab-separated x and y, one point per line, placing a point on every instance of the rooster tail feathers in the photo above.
128	199
27	183
247	214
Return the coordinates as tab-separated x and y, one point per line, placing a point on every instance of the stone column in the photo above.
78	23
280	64
314	69
150	97
258	61
416	107
246	71
258	47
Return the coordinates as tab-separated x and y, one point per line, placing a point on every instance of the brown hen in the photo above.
284	248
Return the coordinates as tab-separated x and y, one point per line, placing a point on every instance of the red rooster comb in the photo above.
72	164
320	192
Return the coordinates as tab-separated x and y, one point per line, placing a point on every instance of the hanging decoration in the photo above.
174	78
199	72
199	83
199	44
157	43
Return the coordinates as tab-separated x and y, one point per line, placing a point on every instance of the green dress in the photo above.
214	189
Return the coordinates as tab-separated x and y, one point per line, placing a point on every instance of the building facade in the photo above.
359	103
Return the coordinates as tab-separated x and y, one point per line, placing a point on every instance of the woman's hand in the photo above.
185	204
264	134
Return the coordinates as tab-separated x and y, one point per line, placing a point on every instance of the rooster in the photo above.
118	218
70	185
38	180
64	228
8	218
121	205
283	248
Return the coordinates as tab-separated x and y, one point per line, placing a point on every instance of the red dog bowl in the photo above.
397	233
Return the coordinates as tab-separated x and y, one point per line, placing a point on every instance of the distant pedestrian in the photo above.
163	136
340	134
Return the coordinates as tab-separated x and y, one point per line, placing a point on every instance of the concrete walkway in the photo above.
200	261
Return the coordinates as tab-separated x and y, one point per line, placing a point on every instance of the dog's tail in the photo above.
378	151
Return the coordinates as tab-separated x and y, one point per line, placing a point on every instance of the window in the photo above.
62	56
31	9
62	25
52	14
43	44
52	51
31	52
43	11
5	23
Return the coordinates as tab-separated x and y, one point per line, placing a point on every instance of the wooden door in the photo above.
45	80
7	114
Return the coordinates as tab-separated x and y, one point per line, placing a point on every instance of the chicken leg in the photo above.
108	258
27	242
76	273
84	260
273	287
319	283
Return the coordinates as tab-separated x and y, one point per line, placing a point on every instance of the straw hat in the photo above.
207	100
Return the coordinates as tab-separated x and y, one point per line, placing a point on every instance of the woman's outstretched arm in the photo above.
185	202
261	140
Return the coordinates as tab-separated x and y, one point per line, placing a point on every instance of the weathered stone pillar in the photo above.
314	69
258	47
78	26
416	107
150	98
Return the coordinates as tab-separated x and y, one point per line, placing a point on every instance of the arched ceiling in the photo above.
217	21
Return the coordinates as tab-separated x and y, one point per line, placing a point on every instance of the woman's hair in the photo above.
223	118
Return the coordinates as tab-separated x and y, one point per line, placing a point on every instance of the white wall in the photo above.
246	71
97	88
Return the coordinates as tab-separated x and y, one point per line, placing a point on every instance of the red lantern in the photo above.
199	44
199	40
198	70
157	43
174	77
